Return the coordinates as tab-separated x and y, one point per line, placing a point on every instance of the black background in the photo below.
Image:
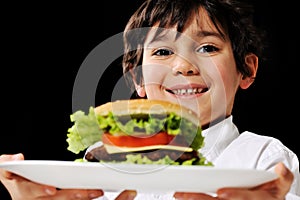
43	46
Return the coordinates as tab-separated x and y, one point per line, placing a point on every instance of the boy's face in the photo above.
196	70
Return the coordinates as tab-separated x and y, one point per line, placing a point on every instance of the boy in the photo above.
198	54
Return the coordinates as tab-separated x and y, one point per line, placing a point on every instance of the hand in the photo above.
20	188
274	190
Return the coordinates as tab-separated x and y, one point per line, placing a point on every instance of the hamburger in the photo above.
138	131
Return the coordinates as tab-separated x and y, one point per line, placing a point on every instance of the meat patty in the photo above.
100	154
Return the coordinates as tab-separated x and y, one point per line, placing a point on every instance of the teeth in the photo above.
189	91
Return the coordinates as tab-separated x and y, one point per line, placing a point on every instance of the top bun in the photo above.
146	106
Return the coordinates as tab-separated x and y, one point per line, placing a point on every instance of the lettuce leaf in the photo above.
84	132
88	129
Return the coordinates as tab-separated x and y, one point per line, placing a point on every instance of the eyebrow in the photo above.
204	33
162	36
210	33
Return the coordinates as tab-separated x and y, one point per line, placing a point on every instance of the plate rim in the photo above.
95	165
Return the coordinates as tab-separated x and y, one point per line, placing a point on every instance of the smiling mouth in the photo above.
189	91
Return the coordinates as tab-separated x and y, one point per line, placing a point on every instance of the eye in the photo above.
162	52
208	49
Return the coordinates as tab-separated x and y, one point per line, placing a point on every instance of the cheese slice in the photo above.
116	149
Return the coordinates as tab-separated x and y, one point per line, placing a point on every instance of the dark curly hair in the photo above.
232	18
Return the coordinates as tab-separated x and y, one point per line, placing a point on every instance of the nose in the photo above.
182	67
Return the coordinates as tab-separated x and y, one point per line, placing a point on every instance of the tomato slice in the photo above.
137	141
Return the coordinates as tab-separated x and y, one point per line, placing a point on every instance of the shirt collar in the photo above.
218	137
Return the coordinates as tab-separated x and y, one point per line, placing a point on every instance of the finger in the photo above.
31	188
285	179
44	191
192	196
78	194
127	195
242	194
9	157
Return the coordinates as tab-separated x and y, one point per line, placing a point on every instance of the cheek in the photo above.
231	77
230	82
223	71
152	92
154	74
225	78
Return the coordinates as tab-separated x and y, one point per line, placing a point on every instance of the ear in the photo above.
140	90
251	61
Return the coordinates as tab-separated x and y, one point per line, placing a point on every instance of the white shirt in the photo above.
225	147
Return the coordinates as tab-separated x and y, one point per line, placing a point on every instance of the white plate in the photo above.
148	178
